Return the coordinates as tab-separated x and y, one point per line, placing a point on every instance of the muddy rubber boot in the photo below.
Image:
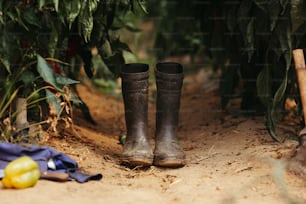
136	149
169	80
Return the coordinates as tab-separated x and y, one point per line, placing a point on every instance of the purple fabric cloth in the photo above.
40	154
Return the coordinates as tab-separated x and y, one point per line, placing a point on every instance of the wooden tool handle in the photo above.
54	176
299	63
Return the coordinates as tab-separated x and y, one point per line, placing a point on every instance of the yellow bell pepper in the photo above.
23	172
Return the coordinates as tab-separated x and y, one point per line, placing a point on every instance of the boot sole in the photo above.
133	162
170	163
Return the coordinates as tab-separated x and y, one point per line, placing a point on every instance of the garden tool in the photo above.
48	175
136	149
299	62
169	80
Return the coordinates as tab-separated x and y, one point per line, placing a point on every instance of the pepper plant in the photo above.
250	41
44	42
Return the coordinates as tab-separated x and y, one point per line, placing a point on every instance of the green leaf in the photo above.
280	93
74	98
53	40
131	27
87	26
93	5
278	101
10	15
64	80
72	10
246	24
107	49
85	21
263	86
262	4
56	3
27	77
4	51
114	62
274	12
250	39
271	125
41	3
5	62
1	12
141	4
19	19
30	17
99	31
118	45
111	13
5	104
284	4
52	99
46	72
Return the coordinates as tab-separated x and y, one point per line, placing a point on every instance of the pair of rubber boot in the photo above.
136	149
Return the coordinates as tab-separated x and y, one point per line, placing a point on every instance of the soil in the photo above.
230	157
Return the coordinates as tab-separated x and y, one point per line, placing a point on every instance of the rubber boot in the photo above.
169	80
136	149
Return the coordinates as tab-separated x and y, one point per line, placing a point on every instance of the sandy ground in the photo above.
231	158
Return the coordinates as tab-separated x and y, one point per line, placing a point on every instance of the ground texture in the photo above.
230	157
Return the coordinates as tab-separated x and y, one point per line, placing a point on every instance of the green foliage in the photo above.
249	40
266	26
40	38
178	31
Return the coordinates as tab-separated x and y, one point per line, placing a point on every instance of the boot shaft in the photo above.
135	77
169	77
169	81
135	96
136	149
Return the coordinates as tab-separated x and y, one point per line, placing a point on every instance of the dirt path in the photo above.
230	159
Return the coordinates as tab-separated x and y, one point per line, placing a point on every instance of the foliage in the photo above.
249	40
178	30
40	38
